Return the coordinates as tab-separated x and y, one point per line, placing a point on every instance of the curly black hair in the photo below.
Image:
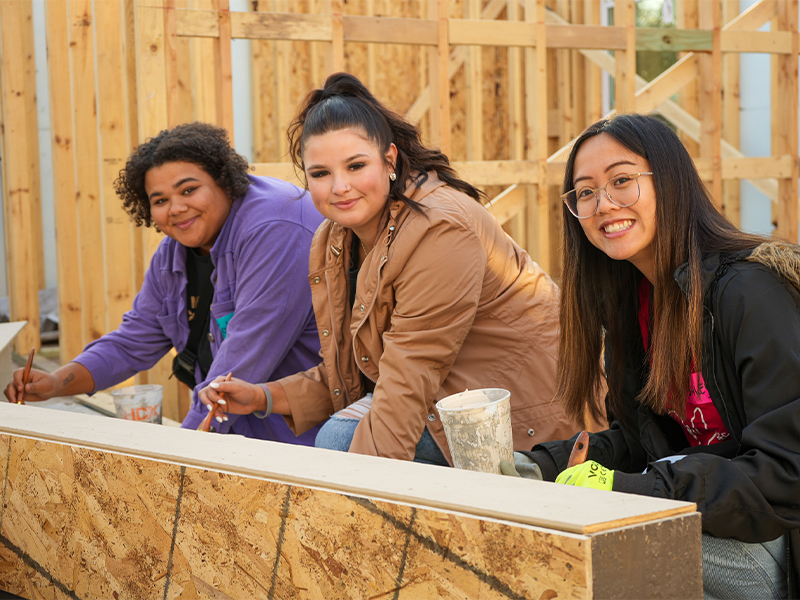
205	145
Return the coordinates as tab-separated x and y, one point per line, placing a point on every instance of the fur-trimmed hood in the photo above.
781	257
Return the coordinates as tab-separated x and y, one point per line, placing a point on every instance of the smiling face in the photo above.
622	233
186	204
348	179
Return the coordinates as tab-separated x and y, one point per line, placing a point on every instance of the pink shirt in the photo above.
702	423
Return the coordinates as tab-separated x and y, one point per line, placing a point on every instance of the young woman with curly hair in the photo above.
417	291
227	287
699	325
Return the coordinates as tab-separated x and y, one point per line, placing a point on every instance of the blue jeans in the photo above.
337	434
734	569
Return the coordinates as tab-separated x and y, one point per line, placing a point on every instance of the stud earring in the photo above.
392	176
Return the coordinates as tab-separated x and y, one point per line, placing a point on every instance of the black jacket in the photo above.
748	486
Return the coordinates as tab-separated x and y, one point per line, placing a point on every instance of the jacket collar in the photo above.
712	267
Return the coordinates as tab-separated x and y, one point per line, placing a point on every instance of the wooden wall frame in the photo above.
119	72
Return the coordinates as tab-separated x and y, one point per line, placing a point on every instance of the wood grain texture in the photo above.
19	202
80	519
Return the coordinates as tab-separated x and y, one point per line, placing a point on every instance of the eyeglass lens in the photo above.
622	190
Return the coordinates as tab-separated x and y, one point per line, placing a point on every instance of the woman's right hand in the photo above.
236	396
41	386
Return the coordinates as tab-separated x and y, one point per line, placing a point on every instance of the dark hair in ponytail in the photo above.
345	102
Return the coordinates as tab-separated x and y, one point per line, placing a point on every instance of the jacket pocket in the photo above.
223	313
170	321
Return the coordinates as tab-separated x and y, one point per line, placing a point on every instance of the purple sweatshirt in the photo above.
262	323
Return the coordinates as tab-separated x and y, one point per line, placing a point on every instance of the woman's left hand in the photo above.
236	396
590	474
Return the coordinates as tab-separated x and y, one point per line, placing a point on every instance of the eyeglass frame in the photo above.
596	192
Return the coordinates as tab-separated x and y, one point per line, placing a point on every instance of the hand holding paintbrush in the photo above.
215	412
25	375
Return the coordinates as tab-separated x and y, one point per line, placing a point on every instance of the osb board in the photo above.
84	523
564	508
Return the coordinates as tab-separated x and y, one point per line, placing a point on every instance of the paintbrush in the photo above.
25	374
215	411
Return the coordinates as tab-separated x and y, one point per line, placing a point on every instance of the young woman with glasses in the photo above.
698	325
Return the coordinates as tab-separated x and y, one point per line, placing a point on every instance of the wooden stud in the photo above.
113	151
594	105
203	77
785	114
66	216
33	141
337	37
625	74
223	69
21	251
710	98
687	18
282	98
563	90
731	190
516	123
93	297
474	89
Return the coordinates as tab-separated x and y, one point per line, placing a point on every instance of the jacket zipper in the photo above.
716	383
366	313
333	333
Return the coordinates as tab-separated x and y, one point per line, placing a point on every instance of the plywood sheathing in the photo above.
94	507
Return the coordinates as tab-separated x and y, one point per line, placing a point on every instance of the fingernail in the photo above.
218	419
221	401
208	406
214	384
224	418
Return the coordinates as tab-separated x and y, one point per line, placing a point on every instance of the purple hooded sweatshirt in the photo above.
262	323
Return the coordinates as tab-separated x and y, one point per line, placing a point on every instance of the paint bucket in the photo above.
139	403
477	424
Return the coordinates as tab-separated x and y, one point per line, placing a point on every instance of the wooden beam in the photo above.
710	99
70	339
672	40
785	114
473	78
93	297
625	72
138	510
115	143
22	254
337	36
32	120
509	204
731	190
223	68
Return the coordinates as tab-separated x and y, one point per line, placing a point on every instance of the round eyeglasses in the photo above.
622	190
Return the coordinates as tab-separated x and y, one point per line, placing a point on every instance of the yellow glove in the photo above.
589	474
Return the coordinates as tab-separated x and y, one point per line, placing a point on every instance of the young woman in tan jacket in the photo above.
417	291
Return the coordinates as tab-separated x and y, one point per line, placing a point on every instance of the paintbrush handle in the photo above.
579	451
25	375
217	408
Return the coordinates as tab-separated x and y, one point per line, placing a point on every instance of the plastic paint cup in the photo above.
139	403
477	424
